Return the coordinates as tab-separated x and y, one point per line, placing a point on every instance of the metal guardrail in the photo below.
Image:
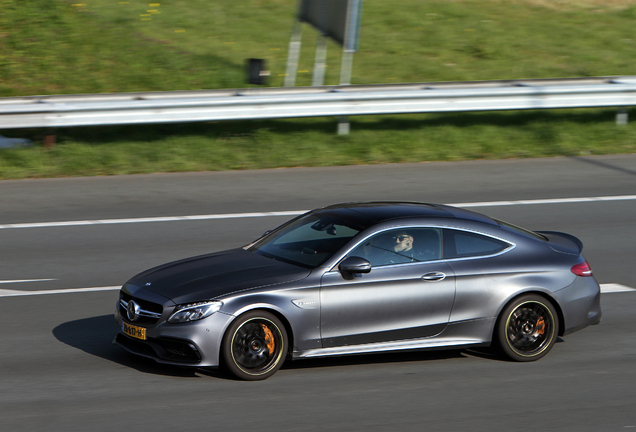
270	103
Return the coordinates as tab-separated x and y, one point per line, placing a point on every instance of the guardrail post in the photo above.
49	139
622	117
343	126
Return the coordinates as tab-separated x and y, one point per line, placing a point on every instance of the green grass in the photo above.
312	142
63	47
58	46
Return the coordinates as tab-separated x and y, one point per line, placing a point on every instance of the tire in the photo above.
527	328
255	346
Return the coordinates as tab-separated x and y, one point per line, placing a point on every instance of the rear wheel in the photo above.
527	328
255	346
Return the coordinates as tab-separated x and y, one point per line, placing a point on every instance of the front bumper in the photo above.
197	343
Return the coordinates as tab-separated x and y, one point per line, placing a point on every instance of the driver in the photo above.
404	244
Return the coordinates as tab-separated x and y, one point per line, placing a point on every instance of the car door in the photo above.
408	299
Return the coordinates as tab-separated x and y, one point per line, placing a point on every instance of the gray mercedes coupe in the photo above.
362	278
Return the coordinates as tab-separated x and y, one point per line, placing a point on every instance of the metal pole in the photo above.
320	64
346	67
350	46
294	54
345	79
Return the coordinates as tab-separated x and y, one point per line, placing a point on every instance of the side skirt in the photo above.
386	347
465	334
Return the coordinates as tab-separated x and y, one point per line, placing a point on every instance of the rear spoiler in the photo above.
570	237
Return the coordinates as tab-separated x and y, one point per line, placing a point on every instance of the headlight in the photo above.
194	311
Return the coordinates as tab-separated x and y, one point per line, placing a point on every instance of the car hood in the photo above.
214	275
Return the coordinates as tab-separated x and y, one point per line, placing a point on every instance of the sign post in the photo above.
293	55
335	19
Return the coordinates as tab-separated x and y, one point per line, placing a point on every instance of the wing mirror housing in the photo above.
354	265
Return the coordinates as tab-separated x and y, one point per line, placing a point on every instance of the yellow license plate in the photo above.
133	331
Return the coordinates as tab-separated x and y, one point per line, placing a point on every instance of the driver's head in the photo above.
403	241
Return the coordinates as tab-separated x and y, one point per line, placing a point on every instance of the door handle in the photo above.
434	276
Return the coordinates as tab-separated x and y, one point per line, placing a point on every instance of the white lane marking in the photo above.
25	280
614	288
546	201
605	288
151	219
294	213
15	293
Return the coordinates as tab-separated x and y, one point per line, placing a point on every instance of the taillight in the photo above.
582	269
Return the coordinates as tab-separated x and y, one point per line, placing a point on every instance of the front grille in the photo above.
149	312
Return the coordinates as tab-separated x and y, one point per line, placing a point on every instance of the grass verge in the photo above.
104	46
312	142
67	47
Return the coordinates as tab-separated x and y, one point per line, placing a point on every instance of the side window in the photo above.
459	244
401	246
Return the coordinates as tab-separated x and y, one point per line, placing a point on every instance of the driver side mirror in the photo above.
354	264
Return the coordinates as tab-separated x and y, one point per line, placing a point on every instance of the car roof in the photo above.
371	213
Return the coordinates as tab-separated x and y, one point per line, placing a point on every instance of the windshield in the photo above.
308	241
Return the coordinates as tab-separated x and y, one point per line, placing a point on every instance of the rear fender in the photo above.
546	295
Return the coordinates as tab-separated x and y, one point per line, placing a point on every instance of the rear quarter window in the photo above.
460	244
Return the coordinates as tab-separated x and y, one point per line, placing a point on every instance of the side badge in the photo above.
305	304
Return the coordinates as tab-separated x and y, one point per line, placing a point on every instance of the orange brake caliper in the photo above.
269	339
540	326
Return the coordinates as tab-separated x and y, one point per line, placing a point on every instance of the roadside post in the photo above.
335	19
256	73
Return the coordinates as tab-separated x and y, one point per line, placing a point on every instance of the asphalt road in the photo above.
59	371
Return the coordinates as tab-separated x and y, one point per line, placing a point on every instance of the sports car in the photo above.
362	278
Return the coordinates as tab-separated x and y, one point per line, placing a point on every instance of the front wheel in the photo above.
255	346
527	328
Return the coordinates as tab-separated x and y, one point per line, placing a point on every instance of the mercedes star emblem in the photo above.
133	310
